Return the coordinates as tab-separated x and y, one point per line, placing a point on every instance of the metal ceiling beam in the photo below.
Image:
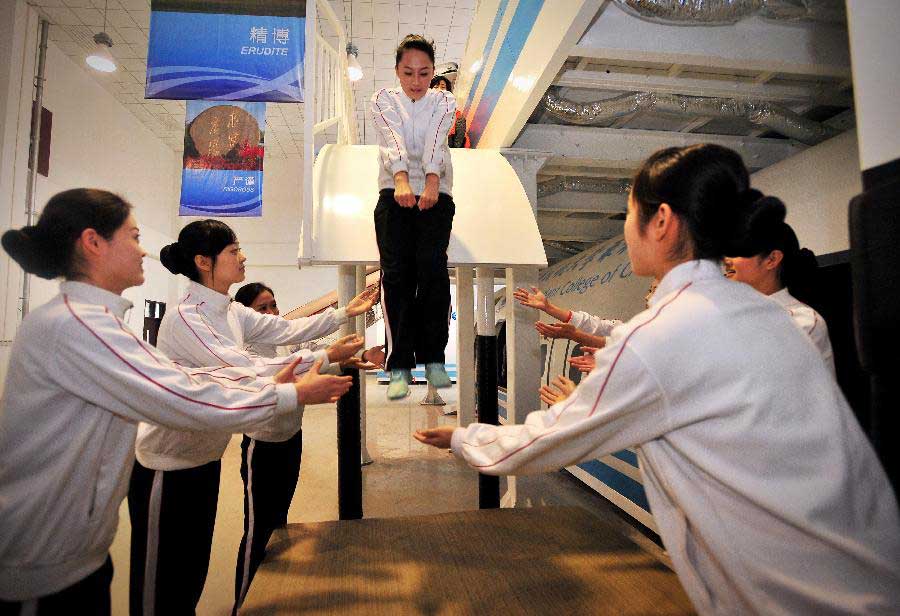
804	48
625	149
570	201
690	86
559	229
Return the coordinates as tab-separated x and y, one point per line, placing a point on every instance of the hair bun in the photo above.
172	259
27	248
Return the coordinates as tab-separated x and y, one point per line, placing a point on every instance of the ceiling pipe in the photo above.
582	184
772	116
727	12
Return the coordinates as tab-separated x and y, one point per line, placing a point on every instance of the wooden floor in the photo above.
546	560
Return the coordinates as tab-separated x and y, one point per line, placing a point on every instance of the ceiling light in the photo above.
354	70
101	59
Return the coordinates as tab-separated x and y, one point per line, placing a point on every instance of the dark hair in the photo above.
708	186
414	41
202	237
439	78
248	293
767	231
47	249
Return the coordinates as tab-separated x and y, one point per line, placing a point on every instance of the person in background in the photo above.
458	137
780	269
270	468
414	216
78	383
174	490
768	496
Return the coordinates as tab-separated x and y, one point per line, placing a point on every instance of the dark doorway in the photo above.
153	315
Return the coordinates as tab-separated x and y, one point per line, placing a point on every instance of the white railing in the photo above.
329	114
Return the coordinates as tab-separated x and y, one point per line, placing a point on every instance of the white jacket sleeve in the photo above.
814	326
618	405
100	360
436	135
195	340
591	324
391	144
271	329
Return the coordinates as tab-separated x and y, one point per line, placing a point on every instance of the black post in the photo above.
348	446
486	364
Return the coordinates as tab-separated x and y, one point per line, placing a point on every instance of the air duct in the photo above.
582	184
727	12
563	247
775	117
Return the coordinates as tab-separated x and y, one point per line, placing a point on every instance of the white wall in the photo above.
816	186
875	48
96	142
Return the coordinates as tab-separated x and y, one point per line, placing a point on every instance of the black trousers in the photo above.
270	472
173	514
87	597
415	285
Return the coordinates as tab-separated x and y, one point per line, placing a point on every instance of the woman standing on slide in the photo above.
413	216
175	484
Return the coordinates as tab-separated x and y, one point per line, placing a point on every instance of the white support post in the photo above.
346	290
465	345
526	164
523	358
361	330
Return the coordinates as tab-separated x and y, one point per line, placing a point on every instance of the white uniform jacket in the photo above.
78	382
591	324
412	137
808	320
767	494
207	328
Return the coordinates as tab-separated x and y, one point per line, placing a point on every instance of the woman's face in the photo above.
125	258
265	304
639	247
750	270
440	85
415	71
229	266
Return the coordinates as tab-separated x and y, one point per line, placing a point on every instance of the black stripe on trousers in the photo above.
173	515
270	472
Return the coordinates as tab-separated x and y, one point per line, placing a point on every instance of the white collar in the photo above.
218	302
683	273
93	294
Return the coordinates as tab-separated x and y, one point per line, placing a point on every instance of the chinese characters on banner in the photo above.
197	51
223	159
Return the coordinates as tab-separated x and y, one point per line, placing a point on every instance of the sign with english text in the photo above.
222	171
229	50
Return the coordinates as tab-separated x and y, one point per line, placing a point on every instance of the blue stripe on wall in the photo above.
519	29
488	48
623	484
628	457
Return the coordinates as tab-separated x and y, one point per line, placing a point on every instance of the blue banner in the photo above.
197	55
223	159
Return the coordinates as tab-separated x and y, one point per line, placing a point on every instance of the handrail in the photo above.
328	101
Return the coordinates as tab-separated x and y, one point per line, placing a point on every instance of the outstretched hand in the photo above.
315	388
362	302
555	330
286	374
371	359
584	362
345	348
533	299
558	390
439	437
